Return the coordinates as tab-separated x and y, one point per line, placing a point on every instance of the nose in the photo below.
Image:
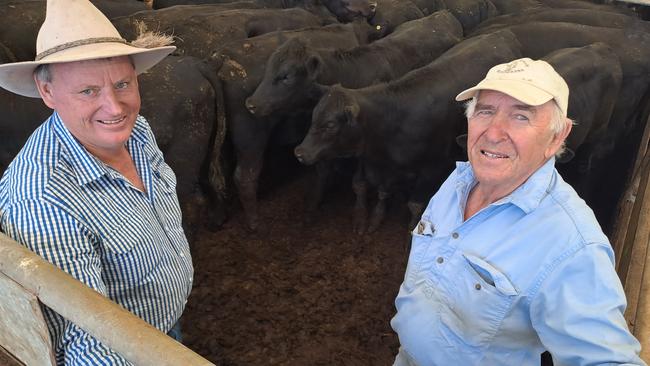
112	103
299	153
250	105
497	129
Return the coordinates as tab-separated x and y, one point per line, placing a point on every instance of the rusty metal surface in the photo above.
130	336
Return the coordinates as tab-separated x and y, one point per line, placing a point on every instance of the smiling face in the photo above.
509	140
98	101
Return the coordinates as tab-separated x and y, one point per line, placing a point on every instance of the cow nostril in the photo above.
250	106
298	153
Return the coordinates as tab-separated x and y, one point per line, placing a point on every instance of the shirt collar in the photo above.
527	196
87	167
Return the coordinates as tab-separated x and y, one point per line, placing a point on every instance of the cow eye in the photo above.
330	125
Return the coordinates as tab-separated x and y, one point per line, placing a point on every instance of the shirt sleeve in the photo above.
578	312
62	240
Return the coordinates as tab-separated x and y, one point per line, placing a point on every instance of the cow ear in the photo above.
314	66
351	113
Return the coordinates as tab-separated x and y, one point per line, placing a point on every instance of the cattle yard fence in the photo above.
27	280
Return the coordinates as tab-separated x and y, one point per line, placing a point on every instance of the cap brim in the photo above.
19	77
517	89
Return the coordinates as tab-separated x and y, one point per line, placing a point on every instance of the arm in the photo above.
62	240
578	312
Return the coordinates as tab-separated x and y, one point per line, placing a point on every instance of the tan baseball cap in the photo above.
533	82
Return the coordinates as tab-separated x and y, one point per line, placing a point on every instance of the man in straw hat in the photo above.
507	261
90	191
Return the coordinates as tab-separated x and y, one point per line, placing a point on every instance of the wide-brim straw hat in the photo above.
75	30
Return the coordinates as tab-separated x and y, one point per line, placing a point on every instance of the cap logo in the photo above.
514	66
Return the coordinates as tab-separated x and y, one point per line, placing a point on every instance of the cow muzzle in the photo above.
252	108
303	155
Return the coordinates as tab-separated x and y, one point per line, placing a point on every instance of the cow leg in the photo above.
416	209
360	188
379	211
246	179
315	195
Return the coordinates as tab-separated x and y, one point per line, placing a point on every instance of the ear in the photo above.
558	139
351	113
314	66
46	92
461	141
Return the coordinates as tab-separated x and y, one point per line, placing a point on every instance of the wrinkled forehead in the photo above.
487	98
122	65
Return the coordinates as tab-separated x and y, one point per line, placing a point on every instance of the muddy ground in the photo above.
297	295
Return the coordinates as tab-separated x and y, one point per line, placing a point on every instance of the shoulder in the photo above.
30	171
572	213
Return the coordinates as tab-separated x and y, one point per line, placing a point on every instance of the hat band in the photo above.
80	42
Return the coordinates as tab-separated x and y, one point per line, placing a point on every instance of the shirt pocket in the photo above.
421	239
132	251
476	299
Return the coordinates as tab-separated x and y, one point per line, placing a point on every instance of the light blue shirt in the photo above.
86	218
530	272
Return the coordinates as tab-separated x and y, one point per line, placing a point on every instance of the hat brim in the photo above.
18	77
520	90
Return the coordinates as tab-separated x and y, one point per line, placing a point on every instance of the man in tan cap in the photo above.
507	261
90	191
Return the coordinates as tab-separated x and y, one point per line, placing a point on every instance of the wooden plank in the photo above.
639	2
133	338
23	331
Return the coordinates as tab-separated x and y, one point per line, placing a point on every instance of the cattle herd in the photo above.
372	80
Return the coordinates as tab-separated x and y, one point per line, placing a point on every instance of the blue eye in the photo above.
521	117
122	85
87	92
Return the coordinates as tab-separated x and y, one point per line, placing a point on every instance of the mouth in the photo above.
493	155
111	121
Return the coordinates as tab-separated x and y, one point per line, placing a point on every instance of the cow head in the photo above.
289	78
348	10
335	130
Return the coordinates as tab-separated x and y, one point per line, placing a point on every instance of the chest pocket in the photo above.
422	236
132	251
477	297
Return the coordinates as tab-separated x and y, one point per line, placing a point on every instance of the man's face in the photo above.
98	101
509	140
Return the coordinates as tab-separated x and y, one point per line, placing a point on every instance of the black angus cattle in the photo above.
295	71
179	99
391	13
515	6
344	10
583	4
21	21
594	76
241	69
200	34
404	128
470	13
595	18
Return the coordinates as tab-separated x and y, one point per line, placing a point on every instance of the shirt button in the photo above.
454	235
182	255
477	286
440	259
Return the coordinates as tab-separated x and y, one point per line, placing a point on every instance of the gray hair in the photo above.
557	125
43	73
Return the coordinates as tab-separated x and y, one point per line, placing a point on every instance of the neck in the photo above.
480	197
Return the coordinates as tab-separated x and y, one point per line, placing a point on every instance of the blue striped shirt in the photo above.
86	218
